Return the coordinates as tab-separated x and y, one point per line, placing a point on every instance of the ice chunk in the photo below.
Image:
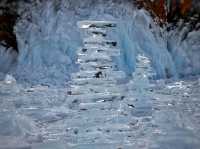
99	41
15	125
9	79
96	24
100	49
97	31
8	58
13	143
50	145
99	74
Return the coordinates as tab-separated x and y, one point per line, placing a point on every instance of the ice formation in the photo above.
48	38
184	45
9	79
95	87
98	105
8	59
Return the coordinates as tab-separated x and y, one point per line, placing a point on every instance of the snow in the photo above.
44	117
52	104
96	24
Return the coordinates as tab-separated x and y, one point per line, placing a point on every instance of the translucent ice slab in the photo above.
95	24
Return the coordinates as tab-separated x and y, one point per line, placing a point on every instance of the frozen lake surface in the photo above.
42	117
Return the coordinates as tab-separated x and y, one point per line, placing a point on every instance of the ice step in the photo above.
99	49
94	56
99	52
108	145
102	137
97	90
99	74
96	142
103	105
105	59
92	66
117	131
95	105
100	118
14	142
98	107
93	81
99	41
109	51
96	24
99	122
50	144
113	88
95	62
113	127
95	97
97	31
90	46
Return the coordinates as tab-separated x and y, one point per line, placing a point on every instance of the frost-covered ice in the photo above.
43	117
96	24
154	114
9	79
48	39
100	112
185	44
8	58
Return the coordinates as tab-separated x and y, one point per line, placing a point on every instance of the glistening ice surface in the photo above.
38	110
39	117
48	39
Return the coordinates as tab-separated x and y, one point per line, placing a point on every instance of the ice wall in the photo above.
8	58
139	34
48	38
184	46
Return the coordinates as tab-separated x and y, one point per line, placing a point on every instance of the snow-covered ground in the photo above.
36	111
41	117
